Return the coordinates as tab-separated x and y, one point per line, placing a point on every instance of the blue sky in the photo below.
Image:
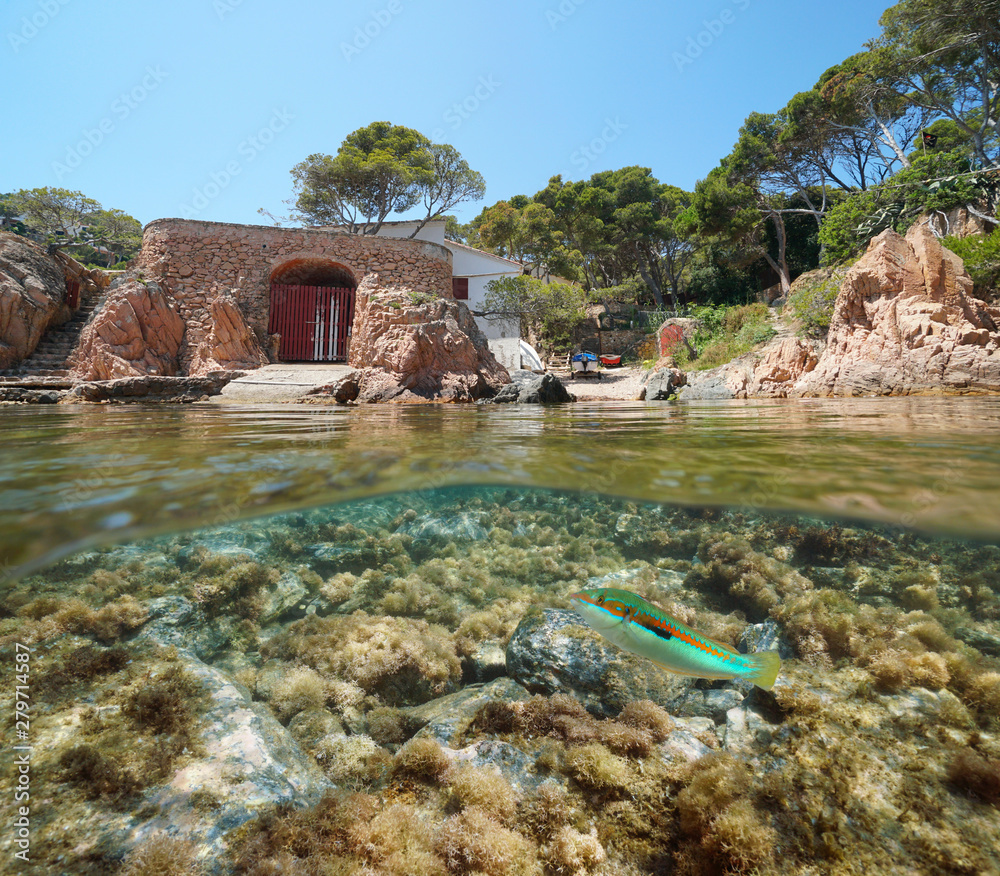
199	108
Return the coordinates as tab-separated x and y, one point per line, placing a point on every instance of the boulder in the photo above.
137	332
247	763
229	343
32	293
527	387
148	388
343	391
411	348
906	322
662	384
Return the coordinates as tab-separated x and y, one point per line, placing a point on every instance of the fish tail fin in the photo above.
766	665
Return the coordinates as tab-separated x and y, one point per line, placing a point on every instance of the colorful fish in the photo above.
642	628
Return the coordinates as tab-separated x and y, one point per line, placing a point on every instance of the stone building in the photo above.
296	283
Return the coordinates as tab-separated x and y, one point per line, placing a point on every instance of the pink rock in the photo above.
229	343
138	331
905	322
32	292
428	349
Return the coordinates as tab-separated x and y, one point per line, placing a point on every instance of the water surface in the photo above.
71	476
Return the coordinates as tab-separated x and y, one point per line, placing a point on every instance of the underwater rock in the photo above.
516	766
982	641
460	526
526	387
487	662
178	622
745	729
552	650
247	762
284	598
764	636
448	717
714	704
687	741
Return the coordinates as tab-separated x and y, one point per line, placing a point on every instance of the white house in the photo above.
472	269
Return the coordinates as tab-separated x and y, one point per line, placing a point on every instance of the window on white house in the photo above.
460	288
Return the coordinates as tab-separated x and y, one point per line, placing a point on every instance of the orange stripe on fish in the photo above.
640	627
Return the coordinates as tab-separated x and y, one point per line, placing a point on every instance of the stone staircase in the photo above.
48	361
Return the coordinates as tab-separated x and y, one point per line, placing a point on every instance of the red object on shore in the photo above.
73	294
610	360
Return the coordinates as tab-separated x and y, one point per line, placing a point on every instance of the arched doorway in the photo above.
312	309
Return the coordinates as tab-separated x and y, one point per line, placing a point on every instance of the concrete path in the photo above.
279	383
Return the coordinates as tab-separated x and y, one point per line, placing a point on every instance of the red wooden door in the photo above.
314	322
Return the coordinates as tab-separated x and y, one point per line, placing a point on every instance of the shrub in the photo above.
981	254
727	332
812	298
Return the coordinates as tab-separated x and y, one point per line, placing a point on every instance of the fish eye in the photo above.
600	600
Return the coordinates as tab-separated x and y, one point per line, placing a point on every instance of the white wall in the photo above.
480	268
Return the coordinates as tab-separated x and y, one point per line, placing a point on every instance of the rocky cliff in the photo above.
905	322
139	331
32	297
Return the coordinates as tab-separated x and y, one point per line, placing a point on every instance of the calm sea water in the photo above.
71	477
317	545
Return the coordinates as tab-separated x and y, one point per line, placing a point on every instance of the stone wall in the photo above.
197	261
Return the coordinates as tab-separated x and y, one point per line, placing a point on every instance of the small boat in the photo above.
609	361
530	358
584	361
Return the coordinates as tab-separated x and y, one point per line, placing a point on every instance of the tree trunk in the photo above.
650	282
780	265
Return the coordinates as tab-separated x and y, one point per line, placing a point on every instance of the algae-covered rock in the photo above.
448	717
240	761
176	621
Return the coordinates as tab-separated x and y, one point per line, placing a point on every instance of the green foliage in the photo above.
554	310
812	298
934	182
981	254
725	333
72	220
380	169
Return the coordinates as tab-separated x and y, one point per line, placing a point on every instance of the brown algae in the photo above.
878	748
